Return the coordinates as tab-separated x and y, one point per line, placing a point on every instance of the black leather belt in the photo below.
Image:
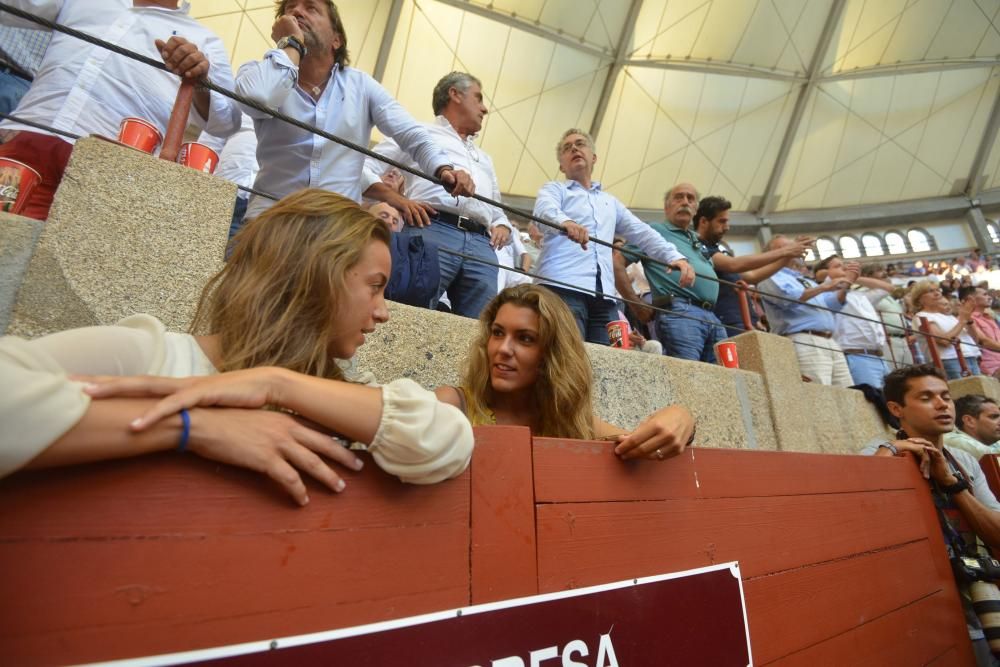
667	300
874	353
811	332
462	222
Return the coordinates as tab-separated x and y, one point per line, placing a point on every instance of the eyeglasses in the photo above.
579	143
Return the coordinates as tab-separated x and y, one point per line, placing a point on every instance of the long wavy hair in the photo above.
275	301
563	390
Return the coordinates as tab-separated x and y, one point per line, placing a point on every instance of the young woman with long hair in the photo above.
302	288
527	366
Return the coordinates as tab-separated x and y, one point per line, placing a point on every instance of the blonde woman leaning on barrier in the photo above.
527	367
302	288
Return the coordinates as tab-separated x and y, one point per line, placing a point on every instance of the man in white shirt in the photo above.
862	340
585	211
85	89
237	164
978	420
461	224
306	76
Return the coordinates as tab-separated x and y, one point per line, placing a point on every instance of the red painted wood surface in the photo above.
503	516
827	545
171	553
990	463
841	556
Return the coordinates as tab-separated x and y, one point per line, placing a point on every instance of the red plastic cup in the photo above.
727	356
17	180
139	134
618	334
199	157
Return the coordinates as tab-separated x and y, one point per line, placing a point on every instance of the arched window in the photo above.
918	240
873	245
897	246
825	248
849	247
991	229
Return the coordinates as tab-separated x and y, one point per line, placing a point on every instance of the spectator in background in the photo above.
388	215
790	301
862	340
21	53
306	76
892	313
585	211
711	225
977	419
86	89
237	164
511	257
946	328
983	328
533	246
461	224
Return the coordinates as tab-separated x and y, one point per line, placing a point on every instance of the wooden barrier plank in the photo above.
169	553
798	608
582	471
581	544
917	634
990	463
504	554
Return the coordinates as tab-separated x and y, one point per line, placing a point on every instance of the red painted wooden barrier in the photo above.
842	559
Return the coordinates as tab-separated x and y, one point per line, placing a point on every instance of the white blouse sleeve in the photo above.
38	404
420	439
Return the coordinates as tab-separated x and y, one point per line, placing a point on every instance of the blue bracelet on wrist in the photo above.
186	432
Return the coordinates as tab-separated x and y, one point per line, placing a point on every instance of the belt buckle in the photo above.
460	221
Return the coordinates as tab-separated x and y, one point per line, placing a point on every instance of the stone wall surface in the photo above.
18	238
127	233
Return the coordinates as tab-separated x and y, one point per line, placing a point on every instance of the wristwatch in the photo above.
957	487
293	42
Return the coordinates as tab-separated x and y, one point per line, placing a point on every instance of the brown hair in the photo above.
340	56
562	393
274	302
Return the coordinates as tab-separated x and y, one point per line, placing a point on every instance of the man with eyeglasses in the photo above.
586	212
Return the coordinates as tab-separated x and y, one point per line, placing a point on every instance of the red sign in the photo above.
696	617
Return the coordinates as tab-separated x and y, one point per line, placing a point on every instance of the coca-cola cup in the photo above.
727	356
139	134
199	157
17	180
618	334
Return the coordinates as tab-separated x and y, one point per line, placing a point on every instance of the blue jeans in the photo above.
953	369
686	338
470	284
12	89
592	313
867	369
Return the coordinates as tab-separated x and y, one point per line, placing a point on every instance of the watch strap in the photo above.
957	487
292	41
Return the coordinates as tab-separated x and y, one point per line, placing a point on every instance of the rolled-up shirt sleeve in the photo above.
420	440
372	172
223	115
394	121
639	233
267	82
548	206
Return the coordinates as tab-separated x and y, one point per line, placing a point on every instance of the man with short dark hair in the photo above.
920	398
306	76
461	224
978	420
711	223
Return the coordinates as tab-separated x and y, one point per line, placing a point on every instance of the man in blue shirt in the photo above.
585	211
790	301
712	224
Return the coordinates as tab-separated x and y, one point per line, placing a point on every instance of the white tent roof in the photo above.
775	104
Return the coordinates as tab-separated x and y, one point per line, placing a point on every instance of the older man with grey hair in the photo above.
586	212
462	224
